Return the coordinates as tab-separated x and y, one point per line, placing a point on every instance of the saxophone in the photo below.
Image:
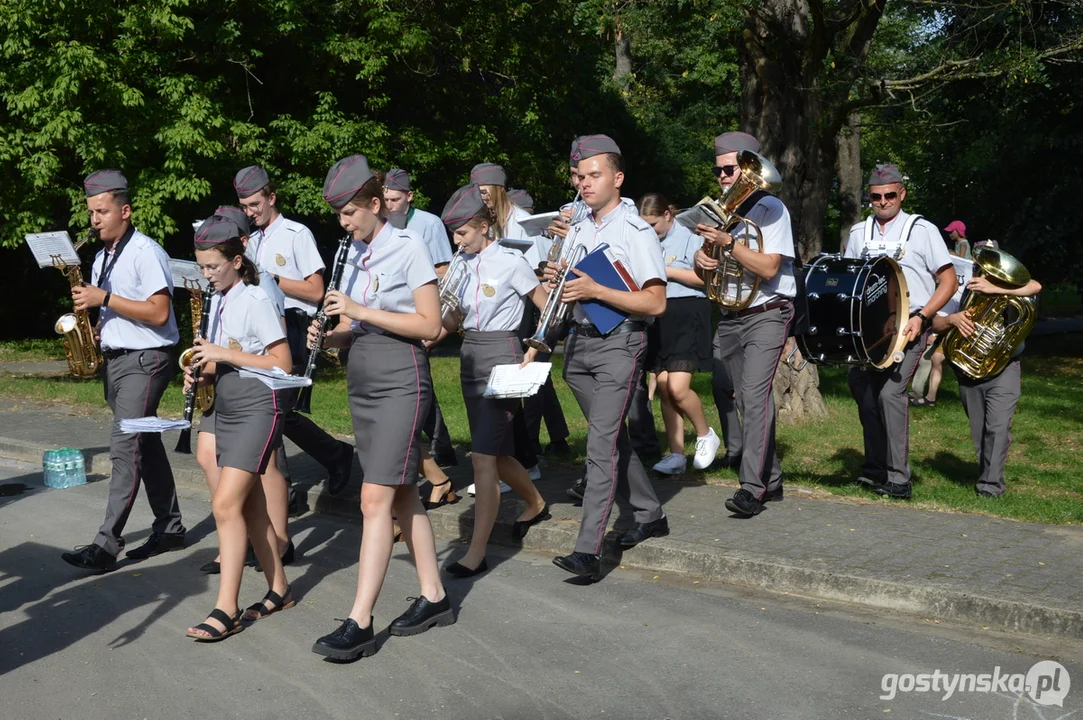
80	347
199	301
1002	322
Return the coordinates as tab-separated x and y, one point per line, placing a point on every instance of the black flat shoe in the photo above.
577	491
520	527
338	475
423	615
461	571
230	625
448	498
91	557
581	564
156	544
287	557
645	531
212	568
744	503
349	642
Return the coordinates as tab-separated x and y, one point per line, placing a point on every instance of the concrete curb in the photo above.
669	555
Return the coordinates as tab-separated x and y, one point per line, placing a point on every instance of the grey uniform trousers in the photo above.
990	406
750	348
602	373
134	384
884	410
725	399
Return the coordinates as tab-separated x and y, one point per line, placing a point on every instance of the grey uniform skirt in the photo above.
490	418
247	421
390	392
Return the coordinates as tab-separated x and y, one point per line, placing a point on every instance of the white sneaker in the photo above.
706	450
672	464
504	487
470	490
534	472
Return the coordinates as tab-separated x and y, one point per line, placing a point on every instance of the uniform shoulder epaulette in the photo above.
636	221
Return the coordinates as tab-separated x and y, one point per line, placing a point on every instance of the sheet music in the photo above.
536	224
512	381
151	424
517	244
275	378
183	270
45	245
699	215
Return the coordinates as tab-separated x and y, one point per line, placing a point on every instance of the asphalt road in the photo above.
529	643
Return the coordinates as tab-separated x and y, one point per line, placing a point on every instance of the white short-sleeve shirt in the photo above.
631	241
536	254
924	255
384	273
141	270
286	248
773	218
245	319
268	285
492	299
431	230
964	271
678	250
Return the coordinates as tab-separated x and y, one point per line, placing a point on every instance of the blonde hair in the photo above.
501	209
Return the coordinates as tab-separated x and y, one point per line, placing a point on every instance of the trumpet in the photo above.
84	357
555	311
725	285
452	284
195	396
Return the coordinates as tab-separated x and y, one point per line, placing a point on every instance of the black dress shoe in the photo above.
520	527
729	461
423	615
645	531
212	568
461	571
91	557
577	491
558	447
349	642
338	475
775	495
581	564
156	544
894	490
287	557
744	503
446	459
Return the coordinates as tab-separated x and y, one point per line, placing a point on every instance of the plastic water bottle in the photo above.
69	467
49	468
80	468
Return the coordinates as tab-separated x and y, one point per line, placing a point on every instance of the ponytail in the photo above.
249	272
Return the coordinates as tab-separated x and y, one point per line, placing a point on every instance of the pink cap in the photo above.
956	225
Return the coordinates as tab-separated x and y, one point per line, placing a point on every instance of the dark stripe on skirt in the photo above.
490	418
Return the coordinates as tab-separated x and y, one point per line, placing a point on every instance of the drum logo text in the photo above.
875	290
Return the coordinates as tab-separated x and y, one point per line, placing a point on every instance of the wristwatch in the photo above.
926	322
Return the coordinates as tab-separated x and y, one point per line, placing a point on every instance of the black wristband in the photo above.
107	298
926	322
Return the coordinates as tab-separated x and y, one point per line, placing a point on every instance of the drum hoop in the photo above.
900	321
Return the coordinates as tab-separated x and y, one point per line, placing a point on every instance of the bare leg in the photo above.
652	384
376	544
434	475
276	495
672	418
688	402
206	447
486	507
515	475
262	534
936	374
417	531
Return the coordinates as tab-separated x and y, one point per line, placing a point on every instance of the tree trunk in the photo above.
849	168
622	51
797	394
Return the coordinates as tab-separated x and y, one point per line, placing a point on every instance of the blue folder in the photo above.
604	272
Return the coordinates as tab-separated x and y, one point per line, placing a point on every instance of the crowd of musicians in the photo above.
398	290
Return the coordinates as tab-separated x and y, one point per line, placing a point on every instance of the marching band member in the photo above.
275	483
132	284
498	281
751	340
930	276
287	250
681	338
989	403
247	331
602	370
387	306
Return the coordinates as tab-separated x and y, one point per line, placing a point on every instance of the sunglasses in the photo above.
726	170
876	197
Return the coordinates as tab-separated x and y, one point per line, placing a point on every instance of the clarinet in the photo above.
304	396
184	442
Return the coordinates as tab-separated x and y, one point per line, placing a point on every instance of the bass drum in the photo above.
857	310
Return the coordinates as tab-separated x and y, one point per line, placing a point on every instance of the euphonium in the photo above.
451	285
84	357
555	310
1001	322
725	285
198	304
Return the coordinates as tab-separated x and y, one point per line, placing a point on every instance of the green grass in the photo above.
1044	473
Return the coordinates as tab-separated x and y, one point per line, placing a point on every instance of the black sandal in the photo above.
232	626
449	498
278	602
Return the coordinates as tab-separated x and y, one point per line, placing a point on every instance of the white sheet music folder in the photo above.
47	244
512	381
151	424
276	379
536	224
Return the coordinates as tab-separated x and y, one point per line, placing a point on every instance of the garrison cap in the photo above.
574	158
886	174
216	230
397	179
237	216
344	179
488	174
104	181
735	142
591	145
250	181
462	207
521	198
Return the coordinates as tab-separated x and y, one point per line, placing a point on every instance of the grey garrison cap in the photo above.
735	142
462	207
397	179
574	157
216	230
250	181
521	198
344	179
237	216
591	145
488	174
104	181
886	174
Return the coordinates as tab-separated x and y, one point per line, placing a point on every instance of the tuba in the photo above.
725	285
1001	322
80	347
452	284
